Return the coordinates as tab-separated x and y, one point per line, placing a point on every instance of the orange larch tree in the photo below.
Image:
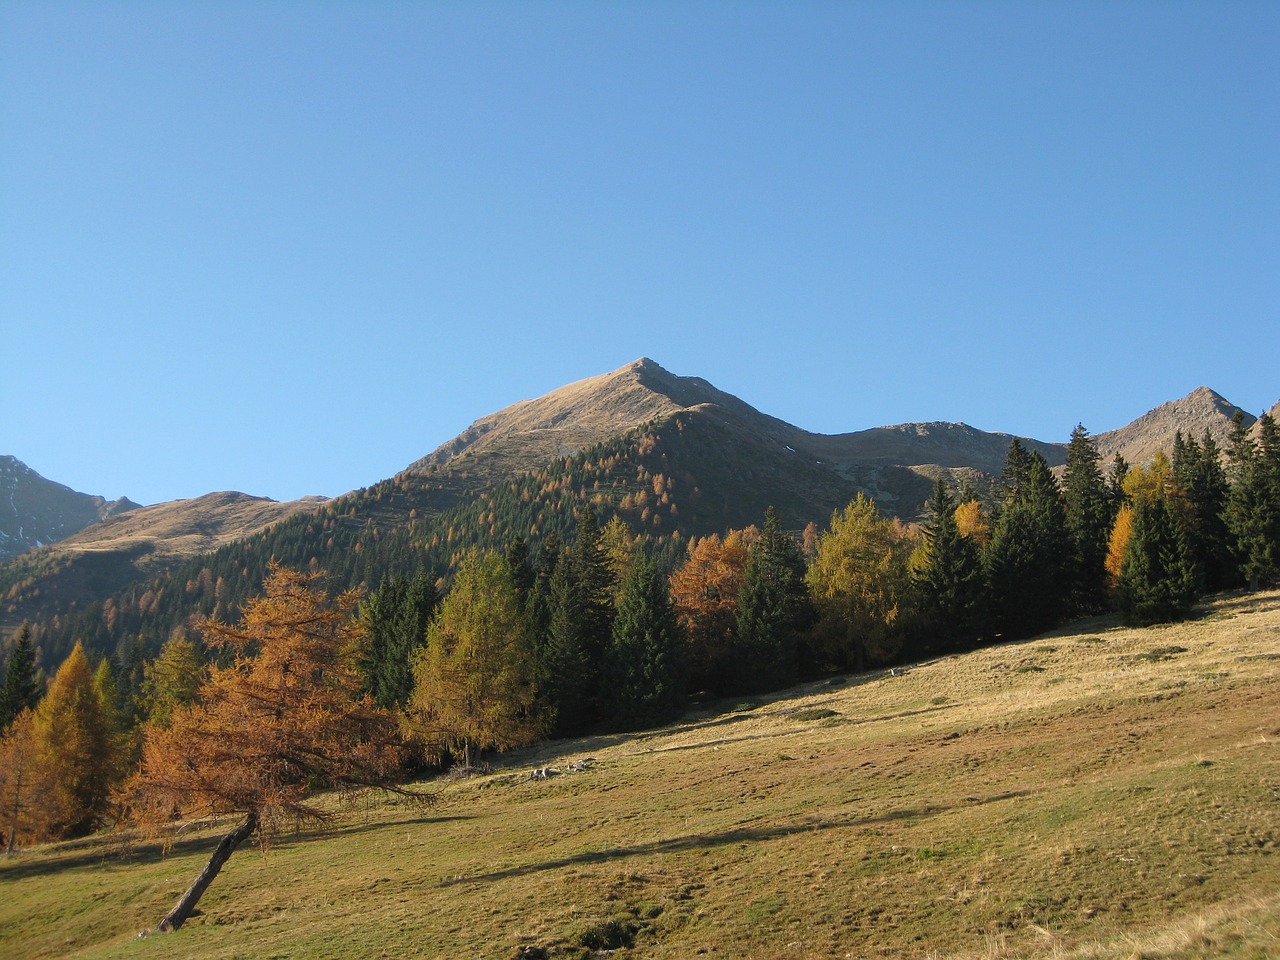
280	721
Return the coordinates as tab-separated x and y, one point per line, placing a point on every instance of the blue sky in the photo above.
287	248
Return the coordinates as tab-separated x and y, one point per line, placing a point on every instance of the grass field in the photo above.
1098	792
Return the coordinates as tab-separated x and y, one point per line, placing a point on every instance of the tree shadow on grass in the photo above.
122	851
707	841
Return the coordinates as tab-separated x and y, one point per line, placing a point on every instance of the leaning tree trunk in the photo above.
226	846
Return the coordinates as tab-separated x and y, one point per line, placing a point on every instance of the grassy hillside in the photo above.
1100	792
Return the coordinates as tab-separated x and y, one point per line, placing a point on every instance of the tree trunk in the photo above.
226	846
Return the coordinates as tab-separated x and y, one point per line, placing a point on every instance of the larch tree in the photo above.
174	679
705	591
282	720
73	751
18	777
858	579
474	680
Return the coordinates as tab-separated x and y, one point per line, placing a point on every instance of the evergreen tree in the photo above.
395	618
1017	470
22	686
950	585
1157	579
1202	492
1253	508
648	668
1027	562
1089	517
578	634
774	611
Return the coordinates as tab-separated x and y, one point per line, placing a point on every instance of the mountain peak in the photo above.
1200	410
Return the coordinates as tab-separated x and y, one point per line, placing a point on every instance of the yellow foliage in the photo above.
1118	544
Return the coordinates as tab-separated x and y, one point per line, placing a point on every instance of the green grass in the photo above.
1107	806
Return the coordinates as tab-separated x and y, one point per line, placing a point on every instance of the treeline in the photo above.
599	627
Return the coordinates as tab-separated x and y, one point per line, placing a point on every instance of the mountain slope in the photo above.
1200	410
672	456
35	511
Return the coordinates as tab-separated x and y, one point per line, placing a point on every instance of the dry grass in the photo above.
1099	793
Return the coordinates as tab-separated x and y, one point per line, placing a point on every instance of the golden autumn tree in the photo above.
858	578
73	752
18	773
280	721
474	680
704	591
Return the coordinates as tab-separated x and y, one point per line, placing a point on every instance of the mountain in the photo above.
35	511
674	457
1200	410
755	460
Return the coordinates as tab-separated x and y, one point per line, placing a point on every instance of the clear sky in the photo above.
289	247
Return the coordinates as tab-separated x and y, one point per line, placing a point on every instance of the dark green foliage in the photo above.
1016	472
572	655
774	612
395	618
1202	502
22	687
1089	516
1158	580
950	587
647	663
1028	561
1253	509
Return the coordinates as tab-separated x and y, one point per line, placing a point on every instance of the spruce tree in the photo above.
579	627
1158	578
1253	508
395	619
1089	517
648	665
22	687
950	586
1027	563
774	611
1203	492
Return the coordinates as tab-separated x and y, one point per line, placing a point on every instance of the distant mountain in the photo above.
674	457
1200	410
35	511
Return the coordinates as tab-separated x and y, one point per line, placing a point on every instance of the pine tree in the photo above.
950	586
1088	517
1158	579
22	687
774	612
648	669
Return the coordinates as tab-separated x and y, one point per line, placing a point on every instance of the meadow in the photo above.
1096	792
